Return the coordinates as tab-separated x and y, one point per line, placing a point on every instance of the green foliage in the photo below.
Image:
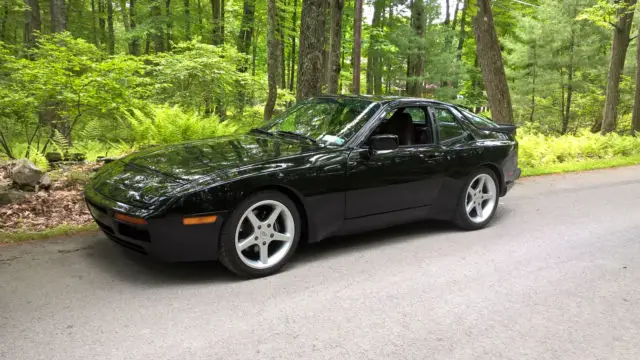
538	150
170	124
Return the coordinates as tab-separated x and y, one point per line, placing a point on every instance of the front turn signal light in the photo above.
130	219
199	220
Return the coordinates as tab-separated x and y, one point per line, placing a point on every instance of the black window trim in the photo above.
374	122
465	131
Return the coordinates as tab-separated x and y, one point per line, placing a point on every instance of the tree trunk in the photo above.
111	41
463	24
200	18
324	76
454	23
533	81
3	21
310	71
94	26
374	71
616	66
336	43
187	20
156	14
134	44
31	21
447	9
294	24
357	45
244	41
273	54
58	16
490	59
246	27
125	16
167	6
217	8
635	119
570	71
282	73
415	59
102	23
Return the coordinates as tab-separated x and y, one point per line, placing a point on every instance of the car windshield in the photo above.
325	121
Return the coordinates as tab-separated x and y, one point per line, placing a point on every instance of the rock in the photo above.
26	173
76	157
53	157
45	182
10	196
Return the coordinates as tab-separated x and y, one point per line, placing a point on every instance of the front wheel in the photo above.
261	235
479	201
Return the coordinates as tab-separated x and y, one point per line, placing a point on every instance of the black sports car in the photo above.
327	166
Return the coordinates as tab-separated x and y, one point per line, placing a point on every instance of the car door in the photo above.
461	152
405	178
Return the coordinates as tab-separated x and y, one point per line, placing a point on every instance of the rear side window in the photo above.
478	120
448	126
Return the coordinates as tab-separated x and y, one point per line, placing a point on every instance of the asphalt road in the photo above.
557	276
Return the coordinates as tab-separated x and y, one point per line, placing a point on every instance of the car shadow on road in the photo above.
139	269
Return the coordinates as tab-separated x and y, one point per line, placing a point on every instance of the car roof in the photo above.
383	99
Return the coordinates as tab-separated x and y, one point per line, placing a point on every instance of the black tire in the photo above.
461	218
229	256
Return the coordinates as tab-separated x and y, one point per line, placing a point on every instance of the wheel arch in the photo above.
497	172
293	195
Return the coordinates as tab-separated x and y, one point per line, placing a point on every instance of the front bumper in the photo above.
164	237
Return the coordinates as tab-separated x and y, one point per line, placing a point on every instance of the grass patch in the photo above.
61	230
582	165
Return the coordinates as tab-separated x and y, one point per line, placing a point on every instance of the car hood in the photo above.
148	177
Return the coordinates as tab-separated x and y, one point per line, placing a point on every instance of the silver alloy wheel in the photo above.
264	234
481	198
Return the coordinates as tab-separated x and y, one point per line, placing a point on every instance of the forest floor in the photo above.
60	210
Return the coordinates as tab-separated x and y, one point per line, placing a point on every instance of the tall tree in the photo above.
273	54
187	20
310	71
246	27
292	55
3	20
335	47
94	27
111	41
217	9
447	9
58	16
158	30
619	46
415	58
463	24
32	21
491	64
134	43
357	45
167	7
635	117
374	66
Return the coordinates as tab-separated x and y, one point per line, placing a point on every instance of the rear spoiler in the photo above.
502	128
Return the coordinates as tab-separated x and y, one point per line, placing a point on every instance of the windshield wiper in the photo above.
298	135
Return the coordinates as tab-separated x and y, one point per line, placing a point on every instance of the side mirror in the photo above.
383	143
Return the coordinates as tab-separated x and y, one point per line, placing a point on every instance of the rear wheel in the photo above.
479	200
261	235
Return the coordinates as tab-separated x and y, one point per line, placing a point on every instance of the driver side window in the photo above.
410	124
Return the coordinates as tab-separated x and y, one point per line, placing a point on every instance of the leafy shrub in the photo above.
170	124
537	150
